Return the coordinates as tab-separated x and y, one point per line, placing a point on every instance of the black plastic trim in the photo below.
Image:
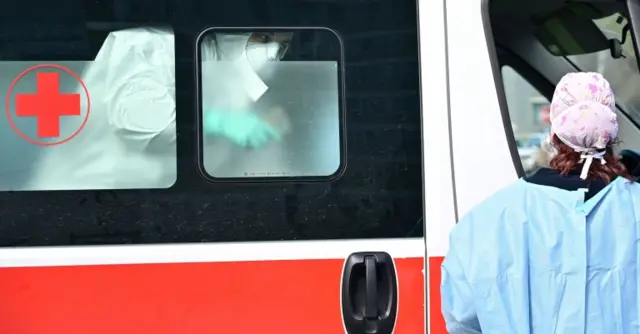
497	78
536	79
446	61
633	7
374	310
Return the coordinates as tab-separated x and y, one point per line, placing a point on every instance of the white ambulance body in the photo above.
486	70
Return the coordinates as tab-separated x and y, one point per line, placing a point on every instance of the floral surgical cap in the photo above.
583	115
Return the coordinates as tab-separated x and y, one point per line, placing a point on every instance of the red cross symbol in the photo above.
47	104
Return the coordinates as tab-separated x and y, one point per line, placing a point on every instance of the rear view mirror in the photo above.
570	31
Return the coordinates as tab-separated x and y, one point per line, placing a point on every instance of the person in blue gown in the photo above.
558	251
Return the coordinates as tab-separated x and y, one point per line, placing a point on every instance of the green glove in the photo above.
242	128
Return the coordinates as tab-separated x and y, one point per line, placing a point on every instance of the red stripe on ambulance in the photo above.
284	296
436	325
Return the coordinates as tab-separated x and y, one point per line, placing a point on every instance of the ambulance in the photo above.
426	100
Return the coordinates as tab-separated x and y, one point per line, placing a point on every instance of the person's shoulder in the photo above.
119	43
633	187
502	199
142	31
634	184
543	176
490	213
495	221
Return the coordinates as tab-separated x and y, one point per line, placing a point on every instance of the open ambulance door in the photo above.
470	54
438	183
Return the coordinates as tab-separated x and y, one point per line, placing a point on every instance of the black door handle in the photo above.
369	293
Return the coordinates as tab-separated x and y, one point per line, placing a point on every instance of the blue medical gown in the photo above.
540	260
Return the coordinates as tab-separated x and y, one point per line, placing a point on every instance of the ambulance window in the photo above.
270	104
97	113
528	111
622	73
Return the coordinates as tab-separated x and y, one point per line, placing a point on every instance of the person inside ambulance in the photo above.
234	69
239	126
129	140
556	252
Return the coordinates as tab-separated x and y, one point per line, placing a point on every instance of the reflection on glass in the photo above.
529	113
129	138
264	115
621	73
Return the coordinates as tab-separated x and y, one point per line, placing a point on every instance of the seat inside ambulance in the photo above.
536	43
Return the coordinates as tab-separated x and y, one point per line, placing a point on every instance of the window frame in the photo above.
535	79
342	122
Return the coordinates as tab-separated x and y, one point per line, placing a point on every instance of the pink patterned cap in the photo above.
583	115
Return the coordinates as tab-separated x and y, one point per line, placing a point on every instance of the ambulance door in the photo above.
463	129
529	72
498	93
193	193
439	191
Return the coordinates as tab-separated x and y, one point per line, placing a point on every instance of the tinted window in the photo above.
269	108
379	195
622	73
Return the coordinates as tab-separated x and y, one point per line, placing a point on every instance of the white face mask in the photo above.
252	59
260	55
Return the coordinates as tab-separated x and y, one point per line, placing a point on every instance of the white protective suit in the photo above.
129	140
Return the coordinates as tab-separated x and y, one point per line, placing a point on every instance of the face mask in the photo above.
251	60
233	48
260	55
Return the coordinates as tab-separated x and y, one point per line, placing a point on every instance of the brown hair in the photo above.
567	160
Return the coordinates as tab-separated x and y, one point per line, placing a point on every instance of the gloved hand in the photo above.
242	128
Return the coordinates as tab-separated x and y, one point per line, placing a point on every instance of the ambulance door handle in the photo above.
369	293
371	287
